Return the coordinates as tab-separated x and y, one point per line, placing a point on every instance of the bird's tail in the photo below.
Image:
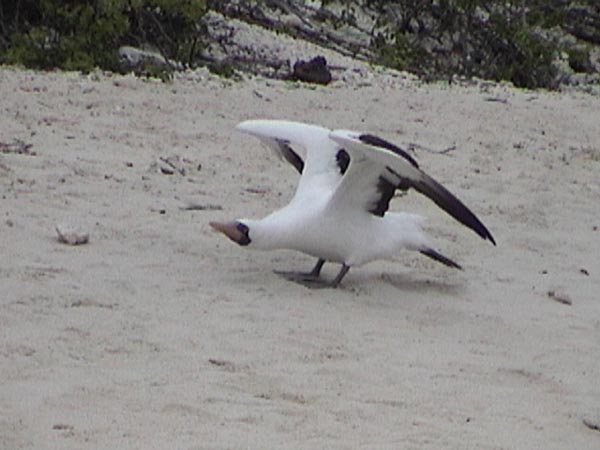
431	253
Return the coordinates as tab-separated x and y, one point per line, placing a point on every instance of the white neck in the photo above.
271	232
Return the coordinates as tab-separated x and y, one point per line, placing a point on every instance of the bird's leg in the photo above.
337	280
303	276
316	272
320	284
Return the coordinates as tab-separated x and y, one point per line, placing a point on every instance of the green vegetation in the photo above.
492	40
516	40
81	35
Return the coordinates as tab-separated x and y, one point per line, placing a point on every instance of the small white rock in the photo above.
72	235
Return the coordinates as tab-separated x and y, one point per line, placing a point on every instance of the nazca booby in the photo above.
339	212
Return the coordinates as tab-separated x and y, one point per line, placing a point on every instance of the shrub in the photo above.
469	37
81	35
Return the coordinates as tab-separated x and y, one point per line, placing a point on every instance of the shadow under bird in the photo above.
339	212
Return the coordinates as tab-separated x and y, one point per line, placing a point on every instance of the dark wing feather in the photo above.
396	175
386	190
426	186
378	142
343	160
453	206
290	155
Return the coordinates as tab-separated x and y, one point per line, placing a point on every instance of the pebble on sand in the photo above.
72	235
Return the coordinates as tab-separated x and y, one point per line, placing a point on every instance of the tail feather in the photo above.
431	253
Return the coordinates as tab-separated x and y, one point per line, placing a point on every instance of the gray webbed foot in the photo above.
298	277
303	277
311	280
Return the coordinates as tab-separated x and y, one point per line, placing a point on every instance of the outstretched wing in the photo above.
378	167
324	160
285	151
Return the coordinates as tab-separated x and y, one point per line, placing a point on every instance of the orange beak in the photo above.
229	229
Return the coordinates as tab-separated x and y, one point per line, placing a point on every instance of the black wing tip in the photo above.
485	234
452	205
462	213
436	256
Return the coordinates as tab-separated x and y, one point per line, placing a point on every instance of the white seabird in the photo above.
339	212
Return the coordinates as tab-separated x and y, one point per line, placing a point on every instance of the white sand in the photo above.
161	334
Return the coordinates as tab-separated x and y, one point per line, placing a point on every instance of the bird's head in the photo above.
235	230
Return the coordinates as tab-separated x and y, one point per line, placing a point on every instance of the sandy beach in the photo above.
161	334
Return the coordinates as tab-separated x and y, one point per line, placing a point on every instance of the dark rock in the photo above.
313	71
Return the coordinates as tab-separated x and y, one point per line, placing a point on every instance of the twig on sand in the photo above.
199	207
169	167
228	366
560	297
412	147
496	99
17	146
